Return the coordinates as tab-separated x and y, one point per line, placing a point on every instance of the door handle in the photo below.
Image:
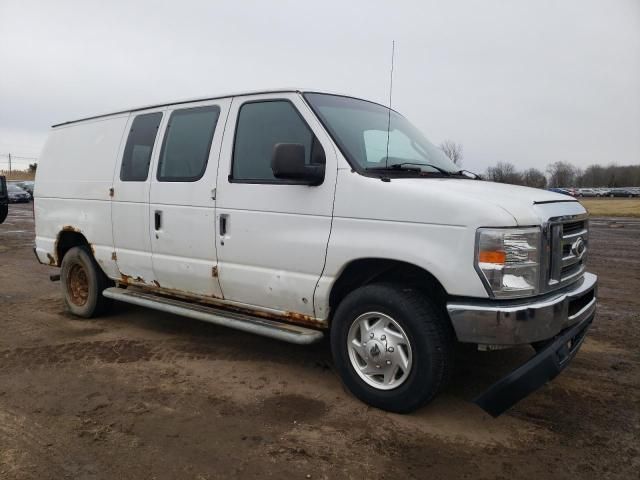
224	226
158	219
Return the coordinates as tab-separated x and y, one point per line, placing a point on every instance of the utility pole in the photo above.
9	163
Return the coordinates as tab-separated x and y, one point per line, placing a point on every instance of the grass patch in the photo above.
612	207
18	175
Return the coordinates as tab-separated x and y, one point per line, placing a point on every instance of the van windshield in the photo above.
363	129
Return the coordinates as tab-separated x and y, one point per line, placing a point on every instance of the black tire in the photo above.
428	330
4	211
83	282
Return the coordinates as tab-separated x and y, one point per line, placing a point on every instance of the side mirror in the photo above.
288	163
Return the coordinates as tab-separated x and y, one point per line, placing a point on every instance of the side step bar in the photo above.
239	321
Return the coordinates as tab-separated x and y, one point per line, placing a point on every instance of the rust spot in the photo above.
52	261
128	279
70	228
219	302
214	272
93	250
213	301
114	257
303	319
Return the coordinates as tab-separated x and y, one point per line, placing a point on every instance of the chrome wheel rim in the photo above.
379	350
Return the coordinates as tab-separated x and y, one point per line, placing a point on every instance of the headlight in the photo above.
508	259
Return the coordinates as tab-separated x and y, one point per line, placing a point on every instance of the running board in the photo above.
239	321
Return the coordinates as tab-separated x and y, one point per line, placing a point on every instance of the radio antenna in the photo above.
393	51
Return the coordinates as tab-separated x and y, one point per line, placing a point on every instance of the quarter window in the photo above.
186	145
137	151
261	125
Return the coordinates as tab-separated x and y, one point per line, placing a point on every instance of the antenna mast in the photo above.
393	51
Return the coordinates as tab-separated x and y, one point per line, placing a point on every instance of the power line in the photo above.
11	155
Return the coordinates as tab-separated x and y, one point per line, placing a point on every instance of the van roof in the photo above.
202	99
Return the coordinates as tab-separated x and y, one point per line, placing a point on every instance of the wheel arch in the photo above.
67	239
363	271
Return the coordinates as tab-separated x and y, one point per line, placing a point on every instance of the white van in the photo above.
294	214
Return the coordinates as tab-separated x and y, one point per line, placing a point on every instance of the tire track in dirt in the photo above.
26	446
116	352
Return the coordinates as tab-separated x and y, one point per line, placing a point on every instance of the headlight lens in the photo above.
509	260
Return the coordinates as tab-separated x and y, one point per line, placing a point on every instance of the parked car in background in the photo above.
622	192
589	192
27	186
17	195
604	191
563	191
4	199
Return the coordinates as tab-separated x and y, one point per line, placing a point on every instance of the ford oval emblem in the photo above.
578	247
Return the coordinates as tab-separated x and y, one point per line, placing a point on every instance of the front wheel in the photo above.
83	282
392	346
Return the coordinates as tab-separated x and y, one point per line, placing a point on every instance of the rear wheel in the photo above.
4	210
83	282
392	346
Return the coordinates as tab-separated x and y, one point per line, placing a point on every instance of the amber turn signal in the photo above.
492	256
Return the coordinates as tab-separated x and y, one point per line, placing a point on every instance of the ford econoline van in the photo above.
298	214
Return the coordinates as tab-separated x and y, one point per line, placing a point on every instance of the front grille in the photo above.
567	242
573	227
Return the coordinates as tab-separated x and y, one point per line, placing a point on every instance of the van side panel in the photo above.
74	176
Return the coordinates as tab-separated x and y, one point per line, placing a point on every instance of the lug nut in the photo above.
377	366
390	349
383	337
371	335
388	362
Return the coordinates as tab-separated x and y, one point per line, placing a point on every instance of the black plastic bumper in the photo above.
550	360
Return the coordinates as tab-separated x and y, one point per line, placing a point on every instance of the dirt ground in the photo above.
142	394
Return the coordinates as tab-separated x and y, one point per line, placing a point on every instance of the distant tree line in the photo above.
563	174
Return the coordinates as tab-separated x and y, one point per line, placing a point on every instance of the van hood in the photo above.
528	206
448	201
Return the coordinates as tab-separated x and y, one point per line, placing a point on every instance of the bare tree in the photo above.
610	176
534	178
504	172
562	174
452	150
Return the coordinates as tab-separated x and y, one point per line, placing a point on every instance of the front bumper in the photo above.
524	321
550	360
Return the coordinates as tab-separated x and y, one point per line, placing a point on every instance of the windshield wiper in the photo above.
411	167
475	175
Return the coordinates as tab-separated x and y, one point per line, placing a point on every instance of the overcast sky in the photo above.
528	82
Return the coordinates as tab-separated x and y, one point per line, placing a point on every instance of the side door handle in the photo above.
223	227
158	219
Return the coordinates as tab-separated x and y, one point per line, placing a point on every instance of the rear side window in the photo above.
261	125
137	152
186	145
